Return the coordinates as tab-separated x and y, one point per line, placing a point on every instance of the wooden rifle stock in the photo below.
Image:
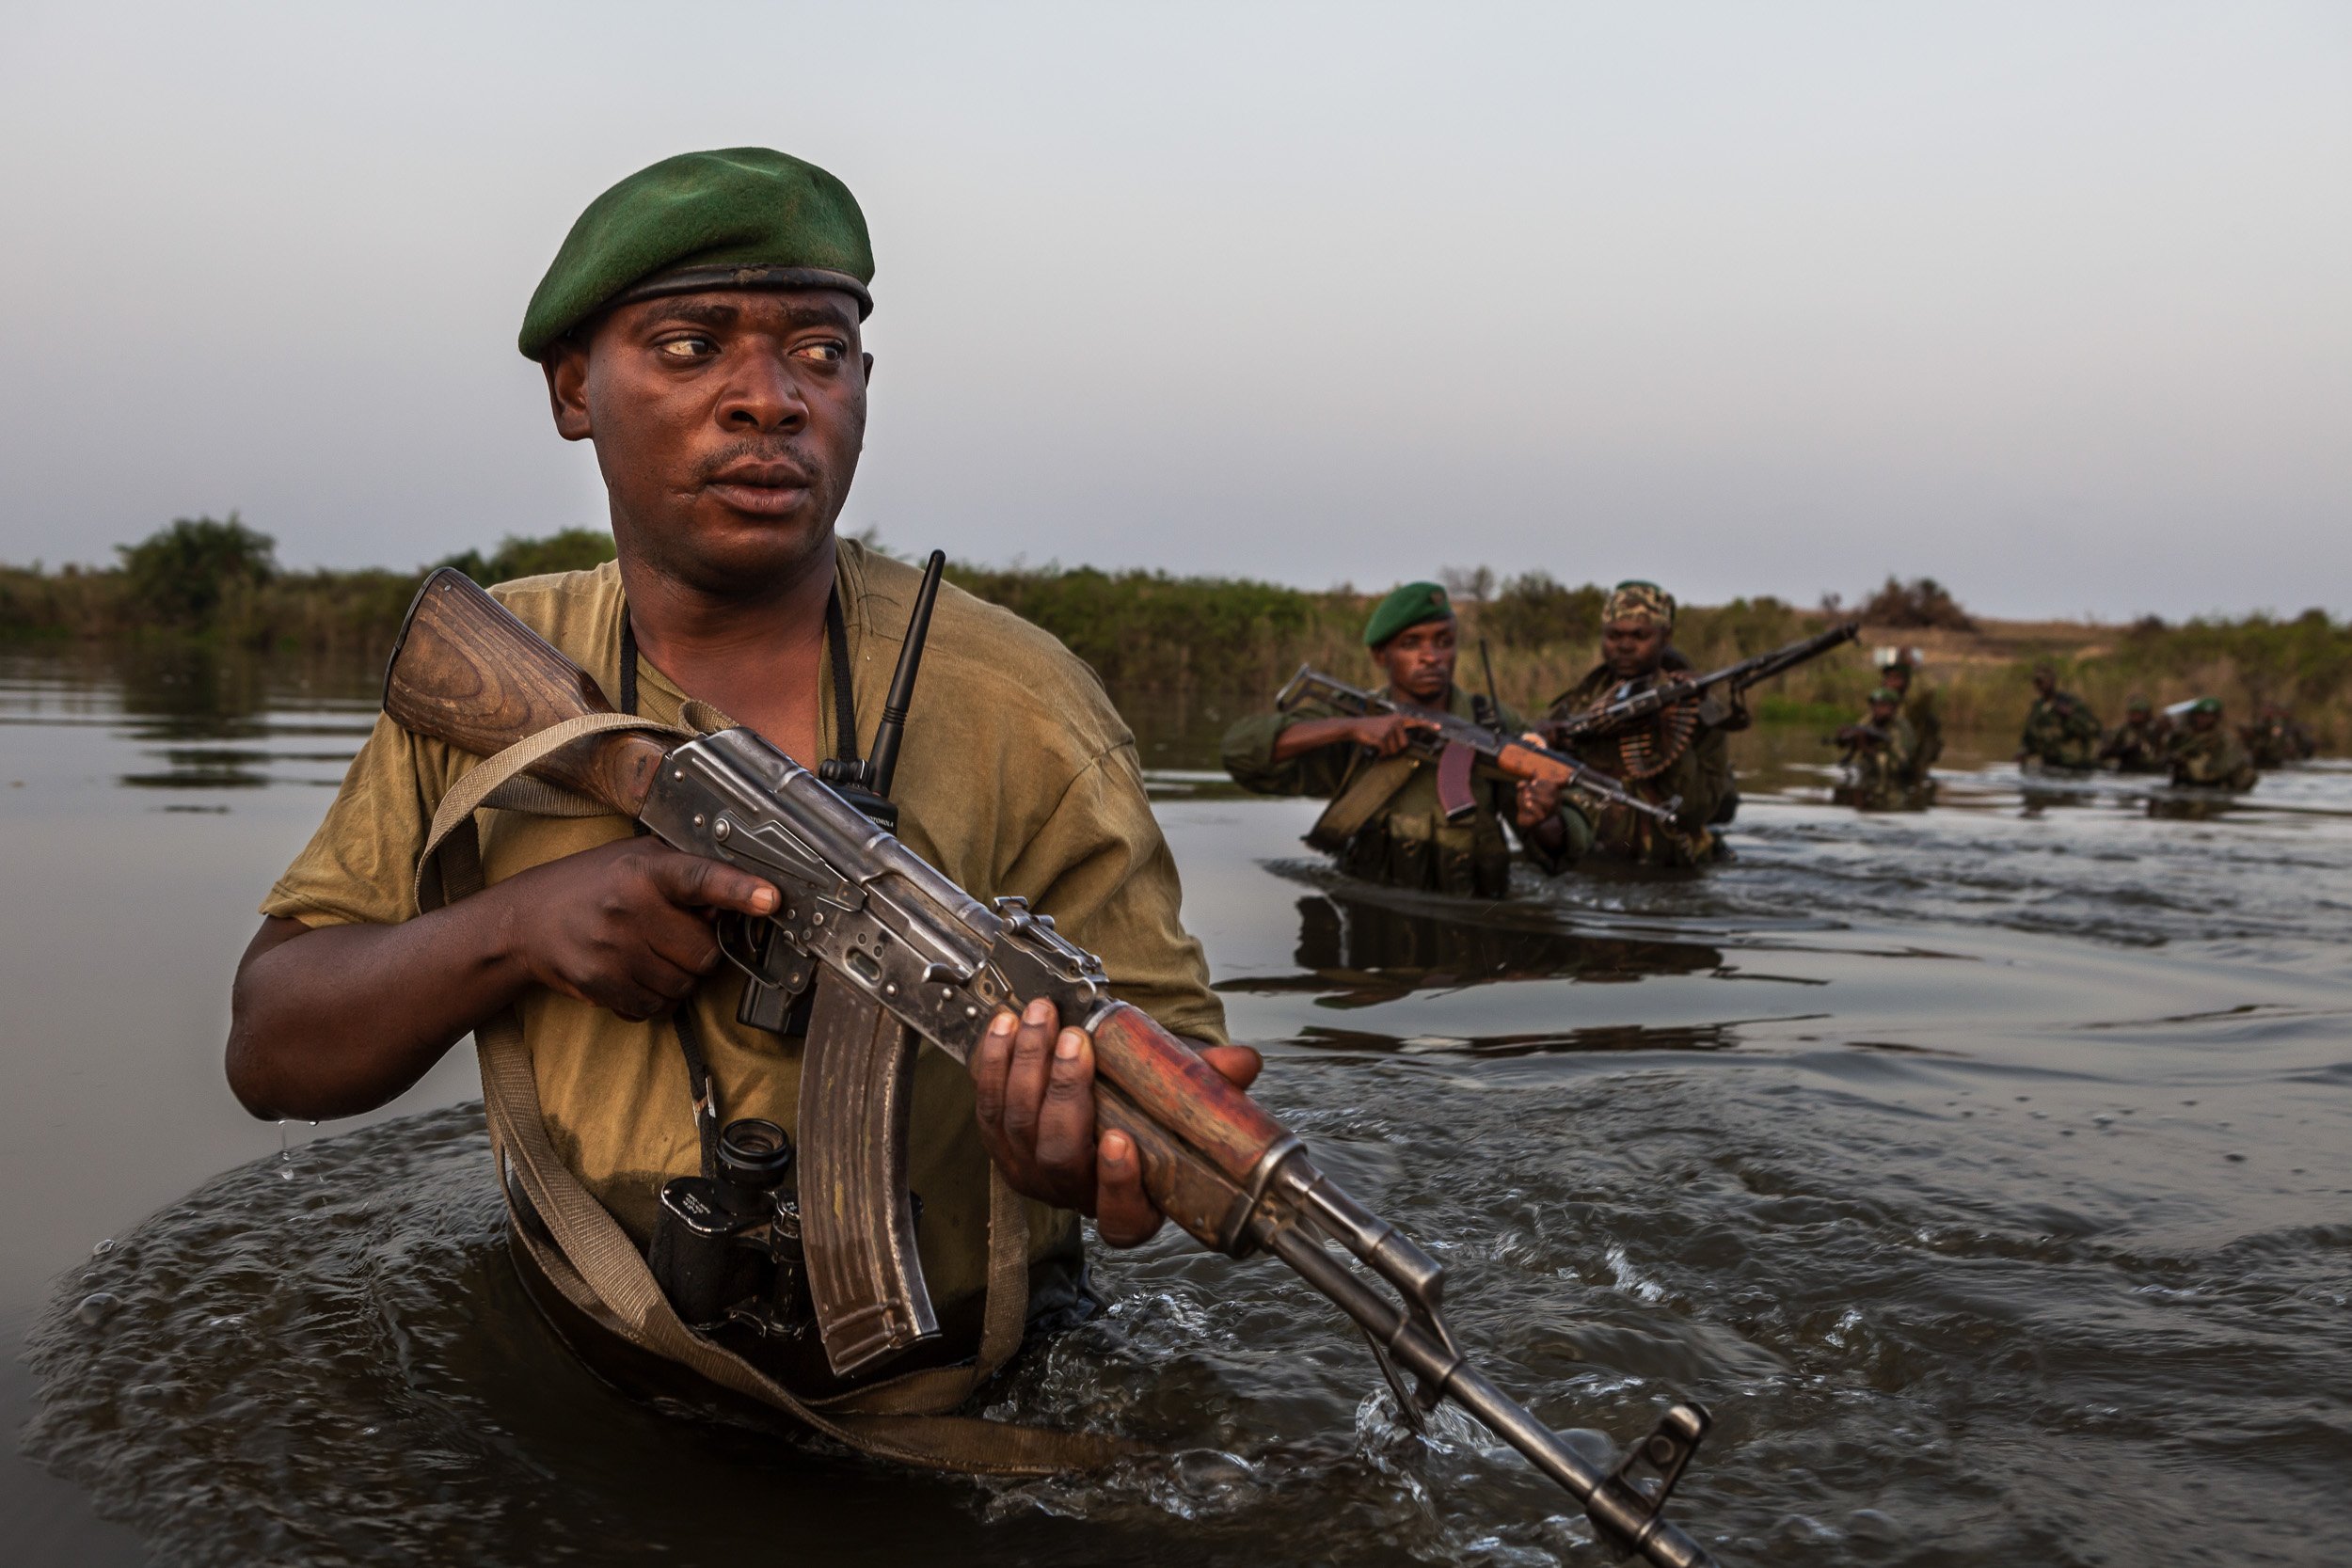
465	670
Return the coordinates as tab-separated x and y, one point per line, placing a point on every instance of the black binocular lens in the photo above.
754	1155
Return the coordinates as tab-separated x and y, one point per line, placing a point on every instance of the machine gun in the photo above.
1714	691
1458	746
899	954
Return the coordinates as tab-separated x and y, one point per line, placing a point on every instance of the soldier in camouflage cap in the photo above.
1899	671
1384	823
1882	759
1674	753
2060	729
2275	738
2138	743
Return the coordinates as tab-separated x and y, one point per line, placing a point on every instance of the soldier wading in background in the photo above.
1682	751
2060	731
1384	823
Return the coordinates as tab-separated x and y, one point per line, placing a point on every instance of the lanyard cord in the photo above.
698	1084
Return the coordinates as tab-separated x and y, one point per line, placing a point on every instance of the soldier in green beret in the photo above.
2205	755
2139	743
1681	752
1384	823
2060	729
701	325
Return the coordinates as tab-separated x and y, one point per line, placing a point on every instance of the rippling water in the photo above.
1984	1170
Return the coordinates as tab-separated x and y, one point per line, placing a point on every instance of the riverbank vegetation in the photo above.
218	583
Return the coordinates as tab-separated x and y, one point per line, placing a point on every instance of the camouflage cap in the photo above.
744	218
1408	605
1643	603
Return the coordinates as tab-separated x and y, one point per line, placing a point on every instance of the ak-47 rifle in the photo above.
1715	692
1457	745
901	954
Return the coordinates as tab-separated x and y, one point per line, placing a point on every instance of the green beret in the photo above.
1408	605
742	219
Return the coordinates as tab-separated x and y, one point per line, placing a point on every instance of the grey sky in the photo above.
2048	302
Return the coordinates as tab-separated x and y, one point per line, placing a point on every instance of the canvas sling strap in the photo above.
1360	802
595	1265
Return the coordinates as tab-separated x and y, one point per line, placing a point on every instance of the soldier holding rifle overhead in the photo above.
701	327
1387	822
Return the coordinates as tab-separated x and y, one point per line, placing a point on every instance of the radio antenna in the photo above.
1493	696
893	727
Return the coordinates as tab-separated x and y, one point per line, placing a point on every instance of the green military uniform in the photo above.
1923	711
1883	771
2138	743
2210	759
1683	752
1384	823
1018	776
2274	740
1403	839
2060	732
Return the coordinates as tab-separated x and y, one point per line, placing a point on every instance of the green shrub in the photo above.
178	576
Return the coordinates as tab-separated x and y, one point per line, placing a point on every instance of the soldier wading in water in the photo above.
1384	823
1682	751
701	327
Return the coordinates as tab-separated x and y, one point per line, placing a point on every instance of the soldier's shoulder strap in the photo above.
1361	801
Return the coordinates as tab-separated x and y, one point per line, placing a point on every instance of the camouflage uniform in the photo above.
1883	774
2060	732
1405	842
2138	745
2276	740
1696	766
1925	715
2210	759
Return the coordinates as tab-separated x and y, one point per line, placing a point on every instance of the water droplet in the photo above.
96	1307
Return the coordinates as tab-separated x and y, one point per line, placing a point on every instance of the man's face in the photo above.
2045	682
1420	660
728	426
2201	723
1881	713
1632	648
1898	677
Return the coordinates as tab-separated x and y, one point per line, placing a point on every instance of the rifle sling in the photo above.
1360	801
597	1267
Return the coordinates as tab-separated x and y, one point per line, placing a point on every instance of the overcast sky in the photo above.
2053	303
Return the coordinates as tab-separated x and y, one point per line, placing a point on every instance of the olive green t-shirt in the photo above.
1017	776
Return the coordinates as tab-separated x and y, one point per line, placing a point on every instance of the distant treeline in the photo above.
1149	631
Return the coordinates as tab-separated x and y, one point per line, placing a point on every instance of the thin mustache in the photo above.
758	452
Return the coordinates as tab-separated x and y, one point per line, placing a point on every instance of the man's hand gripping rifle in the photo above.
904	953
1460	746
1715	692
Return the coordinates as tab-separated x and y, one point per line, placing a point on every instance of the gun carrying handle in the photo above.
465	670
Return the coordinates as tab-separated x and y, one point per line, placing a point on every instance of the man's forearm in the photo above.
333	1021
1312	735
